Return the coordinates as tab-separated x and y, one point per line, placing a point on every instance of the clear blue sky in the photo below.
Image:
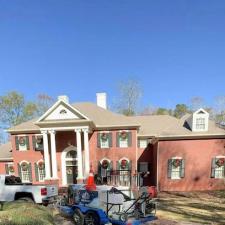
175	48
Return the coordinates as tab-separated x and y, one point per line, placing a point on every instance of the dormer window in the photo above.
200	123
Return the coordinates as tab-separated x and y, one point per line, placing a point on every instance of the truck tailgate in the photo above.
52	190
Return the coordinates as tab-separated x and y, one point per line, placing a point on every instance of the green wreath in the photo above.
220	162
123	135
176	162
22	141
104	136
124	164
11	169
24	166
105	164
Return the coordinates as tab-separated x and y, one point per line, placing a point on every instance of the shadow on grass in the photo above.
211	213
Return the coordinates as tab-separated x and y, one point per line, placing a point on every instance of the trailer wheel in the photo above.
78	217
91	218
123	217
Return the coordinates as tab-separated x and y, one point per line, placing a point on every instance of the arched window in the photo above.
40	170
25	172
71	155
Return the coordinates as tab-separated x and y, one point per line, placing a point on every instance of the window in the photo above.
143	143
200	123
104	140
22	143
40	171
143	167
123	139
25	172
38	142
218	167
9	169
176	168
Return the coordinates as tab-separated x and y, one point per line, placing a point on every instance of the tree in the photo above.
163	111
219	111
44	102
14	110
129	95
196	103
150	110
180	110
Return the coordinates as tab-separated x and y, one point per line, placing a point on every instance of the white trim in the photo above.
157	166
79	154
40	160
64	128
176	157
63	163
46	154
123	159
51	109
179	168
201	109
86	152
220	156
136	152
53	154
25	181
105	159
23	161
11	164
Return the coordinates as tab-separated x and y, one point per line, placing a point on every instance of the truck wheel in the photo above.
91	218
78	217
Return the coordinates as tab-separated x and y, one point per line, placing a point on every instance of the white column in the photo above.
86	151
53	155
46	155
79	155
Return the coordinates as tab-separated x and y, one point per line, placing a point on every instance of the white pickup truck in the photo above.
11	189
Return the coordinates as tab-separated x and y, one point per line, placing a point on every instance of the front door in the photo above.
71	167
71	173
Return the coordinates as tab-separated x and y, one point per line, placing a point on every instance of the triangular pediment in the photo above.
62	111
201	111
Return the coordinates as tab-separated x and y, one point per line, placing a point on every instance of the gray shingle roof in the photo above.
152	125
6	151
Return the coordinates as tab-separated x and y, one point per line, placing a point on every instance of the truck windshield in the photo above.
12	180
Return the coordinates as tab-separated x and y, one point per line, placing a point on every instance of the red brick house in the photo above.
174	154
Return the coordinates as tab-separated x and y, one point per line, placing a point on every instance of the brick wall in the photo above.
198	155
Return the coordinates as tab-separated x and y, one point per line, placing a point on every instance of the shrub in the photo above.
22	213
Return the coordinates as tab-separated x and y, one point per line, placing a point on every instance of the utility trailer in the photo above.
108	205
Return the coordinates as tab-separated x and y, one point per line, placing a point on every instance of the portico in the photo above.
50	148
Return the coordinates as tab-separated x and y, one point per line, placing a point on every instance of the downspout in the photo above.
157	167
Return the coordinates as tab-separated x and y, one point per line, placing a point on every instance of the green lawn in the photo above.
194	207
20	213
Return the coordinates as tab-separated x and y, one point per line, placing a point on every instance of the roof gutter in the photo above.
6	159
99	127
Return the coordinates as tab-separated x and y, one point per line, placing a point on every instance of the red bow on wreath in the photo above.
104	136
41	165
24	166
123	134
220	162
11	169
124	163
176	162
22	141
105	164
